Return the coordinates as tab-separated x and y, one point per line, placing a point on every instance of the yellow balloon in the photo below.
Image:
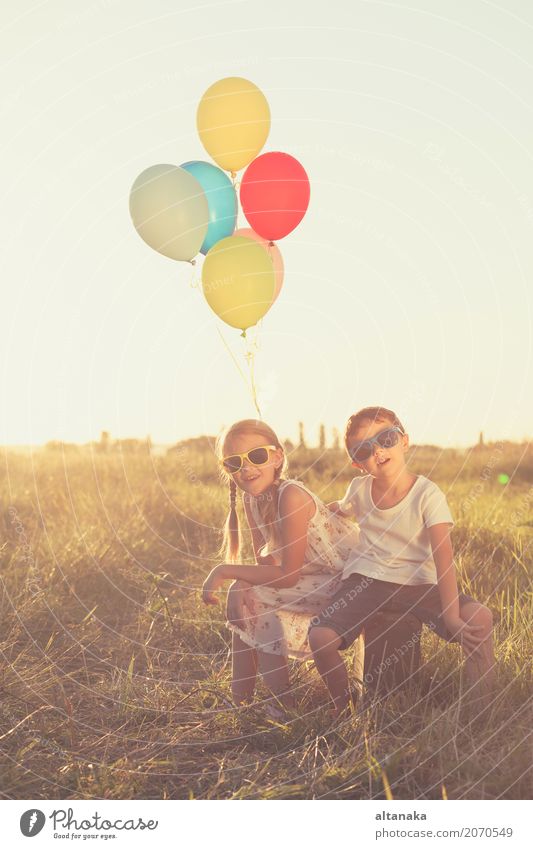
238	280
233	121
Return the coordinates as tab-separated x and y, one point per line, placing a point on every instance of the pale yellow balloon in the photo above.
238	280
169	210
233	121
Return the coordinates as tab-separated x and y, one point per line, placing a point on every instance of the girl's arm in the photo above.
237	590
295	510
441	546
258	540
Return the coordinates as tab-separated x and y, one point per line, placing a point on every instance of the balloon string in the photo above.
239	369
236	184
249	356
250	359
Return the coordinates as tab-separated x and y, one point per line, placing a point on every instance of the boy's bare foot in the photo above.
346	711
340	713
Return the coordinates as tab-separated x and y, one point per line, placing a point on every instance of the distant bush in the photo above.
198	443
57	445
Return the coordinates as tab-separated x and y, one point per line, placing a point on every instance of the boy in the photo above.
404	558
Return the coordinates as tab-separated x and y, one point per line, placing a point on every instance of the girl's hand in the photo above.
212	583
268	560
235	603
465	634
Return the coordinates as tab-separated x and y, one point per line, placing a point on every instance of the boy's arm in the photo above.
344	507
441	546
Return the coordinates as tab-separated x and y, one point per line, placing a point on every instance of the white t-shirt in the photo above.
394	542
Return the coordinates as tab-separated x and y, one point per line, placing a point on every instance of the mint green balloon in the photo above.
169	210
221	200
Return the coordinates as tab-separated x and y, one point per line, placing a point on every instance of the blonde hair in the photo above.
231	543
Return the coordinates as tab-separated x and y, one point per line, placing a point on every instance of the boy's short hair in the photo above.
370	414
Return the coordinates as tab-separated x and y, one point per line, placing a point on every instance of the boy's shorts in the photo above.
359	598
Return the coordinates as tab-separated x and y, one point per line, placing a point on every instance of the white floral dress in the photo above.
277	620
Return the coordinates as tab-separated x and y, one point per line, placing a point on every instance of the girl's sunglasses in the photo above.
361	451
257	457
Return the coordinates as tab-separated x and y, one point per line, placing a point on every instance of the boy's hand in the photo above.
335	507
465	633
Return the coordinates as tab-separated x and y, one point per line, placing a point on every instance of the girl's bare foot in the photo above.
276	712
345	712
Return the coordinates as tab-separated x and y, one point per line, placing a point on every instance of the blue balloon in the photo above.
221	200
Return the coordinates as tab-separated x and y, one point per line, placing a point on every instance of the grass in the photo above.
116	680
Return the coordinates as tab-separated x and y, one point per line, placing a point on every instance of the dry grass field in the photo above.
115	678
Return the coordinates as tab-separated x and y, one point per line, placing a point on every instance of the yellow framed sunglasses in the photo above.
256	456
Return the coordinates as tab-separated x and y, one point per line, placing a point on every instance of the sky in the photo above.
408	283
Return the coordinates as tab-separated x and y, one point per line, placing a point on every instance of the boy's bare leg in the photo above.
244	670
479	664
325	644
275	673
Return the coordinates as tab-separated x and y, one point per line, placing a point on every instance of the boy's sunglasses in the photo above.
257	457
361	451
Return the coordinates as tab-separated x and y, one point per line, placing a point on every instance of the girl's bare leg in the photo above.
479	665
325	644
244	670
275	673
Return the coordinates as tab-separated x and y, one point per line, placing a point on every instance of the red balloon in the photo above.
274	194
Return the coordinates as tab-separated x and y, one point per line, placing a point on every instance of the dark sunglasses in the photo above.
361	451
257	457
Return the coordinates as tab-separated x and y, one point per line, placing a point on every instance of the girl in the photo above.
271	604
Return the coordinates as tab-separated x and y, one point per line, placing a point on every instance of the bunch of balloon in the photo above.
181	211
184	210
